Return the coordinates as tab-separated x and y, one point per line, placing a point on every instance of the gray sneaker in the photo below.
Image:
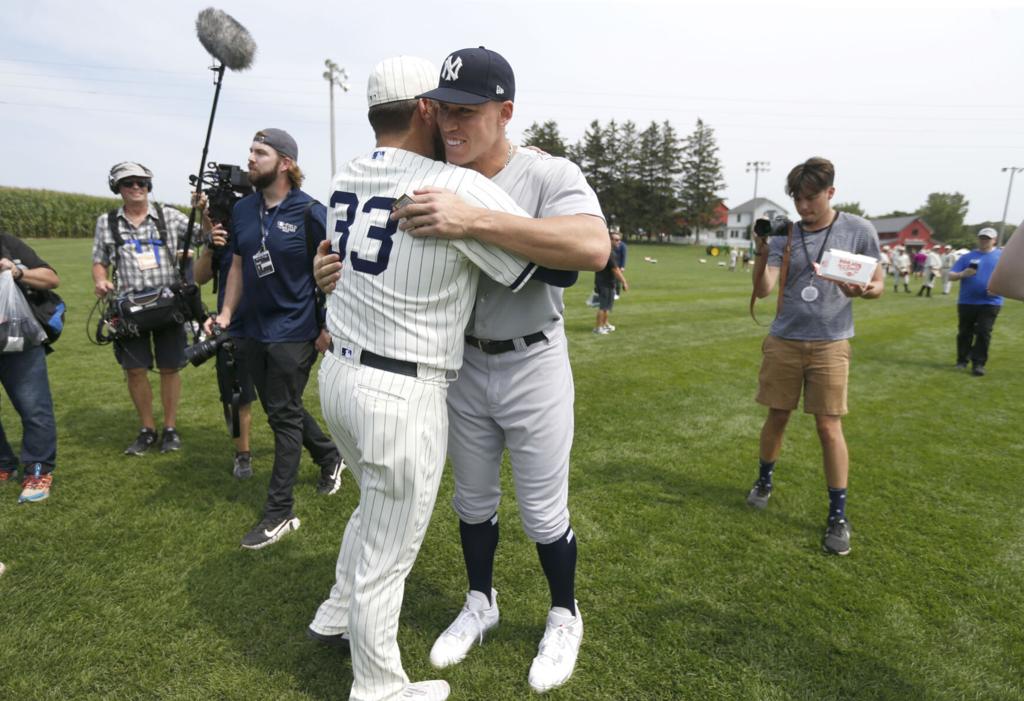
243	466
837	538
758	495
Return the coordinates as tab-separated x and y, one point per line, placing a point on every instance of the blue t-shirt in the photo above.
282	304
974	289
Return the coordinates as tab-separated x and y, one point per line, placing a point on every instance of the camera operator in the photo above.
807	348
232	373
23	375
275	233
144	252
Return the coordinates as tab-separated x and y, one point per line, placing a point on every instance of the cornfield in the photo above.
47	214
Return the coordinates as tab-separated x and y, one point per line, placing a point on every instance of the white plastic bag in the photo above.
18	326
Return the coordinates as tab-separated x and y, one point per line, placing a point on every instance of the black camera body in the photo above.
776	226
200	352
224	185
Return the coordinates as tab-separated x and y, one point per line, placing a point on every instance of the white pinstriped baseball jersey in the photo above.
545	186
404	297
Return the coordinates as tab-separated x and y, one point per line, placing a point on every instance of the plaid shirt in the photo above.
138	241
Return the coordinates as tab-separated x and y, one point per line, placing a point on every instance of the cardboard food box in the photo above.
843	266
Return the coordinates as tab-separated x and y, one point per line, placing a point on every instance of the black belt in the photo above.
496	347
399	367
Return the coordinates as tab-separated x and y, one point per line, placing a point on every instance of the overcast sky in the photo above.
906	98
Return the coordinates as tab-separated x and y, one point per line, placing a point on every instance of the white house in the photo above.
742	217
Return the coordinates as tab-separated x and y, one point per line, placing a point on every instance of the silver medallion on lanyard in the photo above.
264	265
810	293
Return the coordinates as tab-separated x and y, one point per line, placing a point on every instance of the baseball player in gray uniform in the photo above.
515	389
396	317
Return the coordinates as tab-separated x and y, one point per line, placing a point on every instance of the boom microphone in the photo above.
230	43
226	40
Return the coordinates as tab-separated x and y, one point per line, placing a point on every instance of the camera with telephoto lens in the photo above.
776	226
224	185
199	353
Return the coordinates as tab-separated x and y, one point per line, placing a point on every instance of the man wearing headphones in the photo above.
141	239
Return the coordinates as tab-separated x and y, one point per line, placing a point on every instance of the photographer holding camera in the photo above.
276	231
807	349
141	240
233	379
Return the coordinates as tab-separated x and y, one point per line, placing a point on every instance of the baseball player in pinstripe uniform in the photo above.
396	317
515	389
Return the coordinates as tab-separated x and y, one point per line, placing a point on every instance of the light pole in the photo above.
1002	225
757	167
334	75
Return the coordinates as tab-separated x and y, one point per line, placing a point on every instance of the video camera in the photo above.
224	185
776	226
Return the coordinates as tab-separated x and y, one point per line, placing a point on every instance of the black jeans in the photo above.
280	372
975	332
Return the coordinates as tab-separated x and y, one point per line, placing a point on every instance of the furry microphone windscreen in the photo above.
226	40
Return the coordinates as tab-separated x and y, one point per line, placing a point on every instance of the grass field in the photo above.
128	583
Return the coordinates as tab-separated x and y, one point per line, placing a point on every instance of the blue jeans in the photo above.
24	377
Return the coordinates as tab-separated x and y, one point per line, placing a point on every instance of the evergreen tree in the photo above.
850	208
545	137
701	179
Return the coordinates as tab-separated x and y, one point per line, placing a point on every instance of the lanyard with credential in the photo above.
262	261
154	243
810	292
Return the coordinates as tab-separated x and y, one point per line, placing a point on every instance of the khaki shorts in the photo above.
819	368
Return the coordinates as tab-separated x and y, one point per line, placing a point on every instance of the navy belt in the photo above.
496	347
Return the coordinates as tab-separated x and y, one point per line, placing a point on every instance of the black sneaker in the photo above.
339	640
758	495
837	537
330	479
170	441
243	466
978	370
143	442
269	531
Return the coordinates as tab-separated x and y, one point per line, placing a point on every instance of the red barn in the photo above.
910	231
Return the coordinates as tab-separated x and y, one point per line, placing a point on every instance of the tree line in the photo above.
649	182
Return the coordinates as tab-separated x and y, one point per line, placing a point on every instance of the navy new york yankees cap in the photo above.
474	76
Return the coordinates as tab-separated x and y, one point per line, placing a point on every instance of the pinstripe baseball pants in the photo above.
392	431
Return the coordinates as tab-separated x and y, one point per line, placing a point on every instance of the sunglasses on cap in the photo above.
133	182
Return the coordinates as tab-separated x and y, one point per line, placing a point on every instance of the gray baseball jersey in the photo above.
545	186
404	297
408	299
522	399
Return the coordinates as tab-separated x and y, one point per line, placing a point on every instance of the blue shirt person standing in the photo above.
272	264
23	375
976	308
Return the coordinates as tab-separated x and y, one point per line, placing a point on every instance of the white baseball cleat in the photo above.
437	690
476	618
556	656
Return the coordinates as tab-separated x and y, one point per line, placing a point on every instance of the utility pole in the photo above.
1002	225
334	75
757	167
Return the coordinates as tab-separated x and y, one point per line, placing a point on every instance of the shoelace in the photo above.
39	482
462	622
558	640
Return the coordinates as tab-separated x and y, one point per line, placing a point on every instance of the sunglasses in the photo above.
134	182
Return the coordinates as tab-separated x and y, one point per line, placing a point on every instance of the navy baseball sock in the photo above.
479	541
558	559
767	468
836	504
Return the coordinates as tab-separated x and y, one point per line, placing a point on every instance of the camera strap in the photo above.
759	266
